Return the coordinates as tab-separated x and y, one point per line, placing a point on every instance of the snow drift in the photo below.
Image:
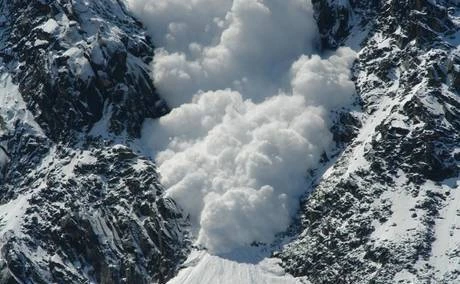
251	111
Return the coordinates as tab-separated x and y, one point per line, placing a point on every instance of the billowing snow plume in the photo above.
246	45
251	112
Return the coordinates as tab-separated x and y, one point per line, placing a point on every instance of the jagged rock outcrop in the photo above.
78	201
387	210
77	61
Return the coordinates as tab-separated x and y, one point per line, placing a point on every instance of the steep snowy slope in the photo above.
387	210
77	203
248	266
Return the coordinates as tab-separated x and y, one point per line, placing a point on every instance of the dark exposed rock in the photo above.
353	227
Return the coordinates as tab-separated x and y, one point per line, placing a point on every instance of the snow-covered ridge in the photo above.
77	203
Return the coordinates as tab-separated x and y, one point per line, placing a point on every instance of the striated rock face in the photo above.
387	210
78	203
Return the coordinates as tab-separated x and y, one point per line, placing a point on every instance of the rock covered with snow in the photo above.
385	210
78	202
78	61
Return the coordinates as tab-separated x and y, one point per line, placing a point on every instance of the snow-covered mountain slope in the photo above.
77	60
387	210
81	203
249	266
78	203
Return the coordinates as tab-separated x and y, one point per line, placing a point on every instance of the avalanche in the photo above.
251	116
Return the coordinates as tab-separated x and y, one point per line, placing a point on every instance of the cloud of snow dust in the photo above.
246	45
251	111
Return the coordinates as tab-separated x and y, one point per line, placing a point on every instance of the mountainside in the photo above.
387	211
79	204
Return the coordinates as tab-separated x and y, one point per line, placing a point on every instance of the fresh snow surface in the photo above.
401	224
50	26
447	228
11	214
243	267
12	106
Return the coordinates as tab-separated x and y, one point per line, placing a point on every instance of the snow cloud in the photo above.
246	45
251	111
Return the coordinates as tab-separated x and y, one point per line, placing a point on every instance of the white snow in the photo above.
12	106
11	214
204	268
357	35
78	63
237	165
40	42
401	225
447	232
251	112
251	117
361	144
50	26
100	128
405	277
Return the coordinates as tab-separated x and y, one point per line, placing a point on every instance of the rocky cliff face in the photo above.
79	204
77	61
387	210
